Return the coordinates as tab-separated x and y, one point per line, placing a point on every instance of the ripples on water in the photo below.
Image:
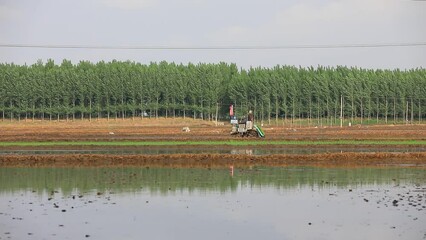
257	203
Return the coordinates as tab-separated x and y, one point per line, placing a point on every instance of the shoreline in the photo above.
215	143
348	159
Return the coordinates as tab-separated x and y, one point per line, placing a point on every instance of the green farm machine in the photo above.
245	127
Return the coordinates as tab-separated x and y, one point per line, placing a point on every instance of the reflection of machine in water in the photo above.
245	126
242	151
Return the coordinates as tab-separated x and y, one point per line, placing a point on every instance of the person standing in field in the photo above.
250	120
250	116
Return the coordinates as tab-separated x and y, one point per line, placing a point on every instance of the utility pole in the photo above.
341	110
406	114
217	111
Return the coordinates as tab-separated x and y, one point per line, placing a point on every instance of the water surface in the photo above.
257	203
218	150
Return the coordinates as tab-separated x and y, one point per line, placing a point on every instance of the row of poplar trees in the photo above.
116	89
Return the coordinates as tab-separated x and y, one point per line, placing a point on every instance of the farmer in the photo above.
250	120
250	116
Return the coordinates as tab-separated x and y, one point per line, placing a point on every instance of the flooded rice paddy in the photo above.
258	151
200	203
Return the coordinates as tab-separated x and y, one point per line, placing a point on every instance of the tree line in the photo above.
116	89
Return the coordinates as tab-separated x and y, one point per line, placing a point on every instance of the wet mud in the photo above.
217	160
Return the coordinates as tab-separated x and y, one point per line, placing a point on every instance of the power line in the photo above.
248	47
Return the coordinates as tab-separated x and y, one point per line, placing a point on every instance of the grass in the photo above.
214	143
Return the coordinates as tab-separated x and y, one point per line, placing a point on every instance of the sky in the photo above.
217	23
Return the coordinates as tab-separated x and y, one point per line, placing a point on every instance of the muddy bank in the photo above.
313	146
217	160
171	130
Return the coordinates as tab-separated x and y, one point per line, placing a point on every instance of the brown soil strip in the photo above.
171	130
218	160
343	147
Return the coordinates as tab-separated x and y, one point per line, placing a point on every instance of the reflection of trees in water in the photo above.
168	180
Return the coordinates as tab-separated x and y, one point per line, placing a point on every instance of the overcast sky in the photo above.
200	23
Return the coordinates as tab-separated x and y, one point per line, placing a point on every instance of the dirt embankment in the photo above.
218	160
171	130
